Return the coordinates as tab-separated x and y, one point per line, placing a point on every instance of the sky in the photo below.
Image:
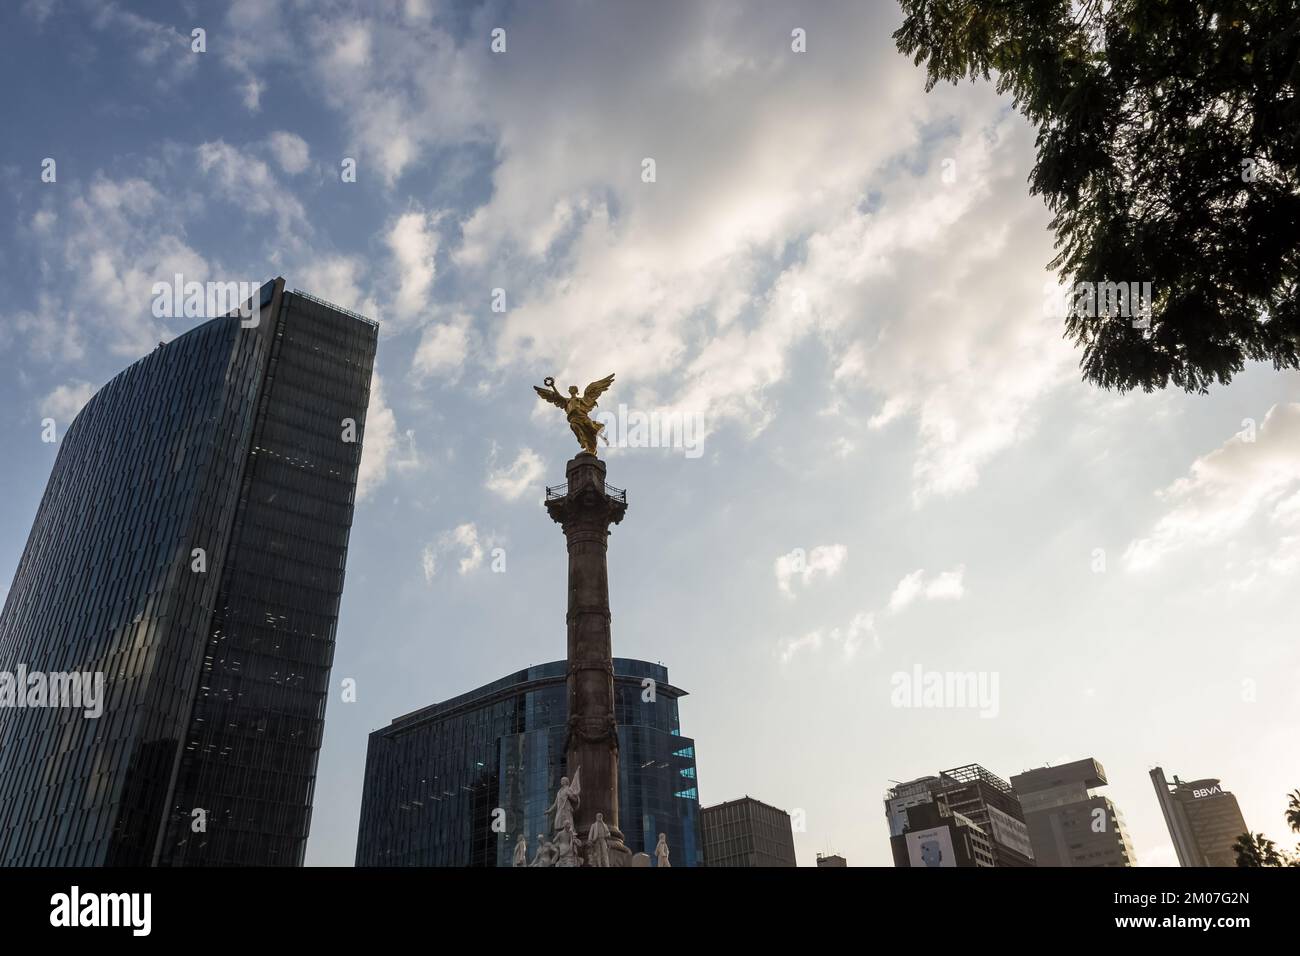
839	277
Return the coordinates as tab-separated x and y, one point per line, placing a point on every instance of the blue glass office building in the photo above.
190	546
436	778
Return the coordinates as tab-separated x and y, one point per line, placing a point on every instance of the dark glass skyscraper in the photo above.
438	778
190	547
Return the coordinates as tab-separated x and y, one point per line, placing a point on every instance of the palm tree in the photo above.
1293	810
1257	850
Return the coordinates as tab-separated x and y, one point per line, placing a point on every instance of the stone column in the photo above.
585	509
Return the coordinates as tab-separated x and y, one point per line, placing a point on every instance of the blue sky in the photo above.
901	467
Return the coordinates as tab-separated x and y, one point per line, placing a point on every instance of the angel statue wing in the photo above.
575	785
595	390
550	394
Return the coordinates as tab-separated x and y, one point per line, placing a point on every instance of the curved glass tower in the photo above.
190	547
456	783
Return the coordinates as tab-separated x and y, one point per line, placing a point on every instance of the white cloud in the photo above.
164	51
779	217
382	447
523	474
1279	561
906	591
413	243
849	639
337	279
247	182
39	10
290	151
443	348
256	43
351	47
1241	483
793	645
403	87
103	243
946	586
48	332
114	241
798	565
43	221
463	540
66	401
242	178
253	90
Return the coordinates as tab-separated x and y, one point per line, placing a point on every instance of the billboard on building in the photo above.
931	848
1010	832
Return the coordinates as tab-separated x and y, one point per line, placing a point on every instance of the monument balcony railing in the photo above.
562	490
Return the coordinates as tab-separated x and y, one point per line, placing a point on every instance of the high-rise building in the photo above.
934	835
457	783
831	860
1069	825
746	832
190	548
977	796
1204	820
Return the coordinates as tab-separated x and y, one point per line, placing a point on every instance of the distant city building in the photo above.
1068	824
975	795
746	832
190	548
831	859
438	779
934	835
1204	820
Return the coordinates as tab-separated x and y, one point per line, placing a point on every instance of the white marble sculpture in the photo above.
566	847
545	855
521	852
661	851
598	842
566	801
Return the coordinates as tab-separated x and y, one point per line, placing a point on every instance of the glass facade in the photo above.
1214	819
437	779
190	547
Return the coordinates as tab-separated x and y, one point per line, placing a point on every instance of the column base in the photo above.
620	854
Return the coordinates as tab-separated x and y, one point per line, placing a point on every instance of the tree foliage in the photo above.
1168	152
1257	850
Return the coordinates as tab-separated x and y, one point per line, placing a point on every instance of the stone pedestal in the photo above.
585	507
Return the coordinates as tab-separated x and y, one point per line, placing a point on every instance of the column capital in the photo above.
585	501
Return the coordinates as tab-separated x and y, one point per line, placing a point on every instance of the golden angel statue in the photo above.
578	407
